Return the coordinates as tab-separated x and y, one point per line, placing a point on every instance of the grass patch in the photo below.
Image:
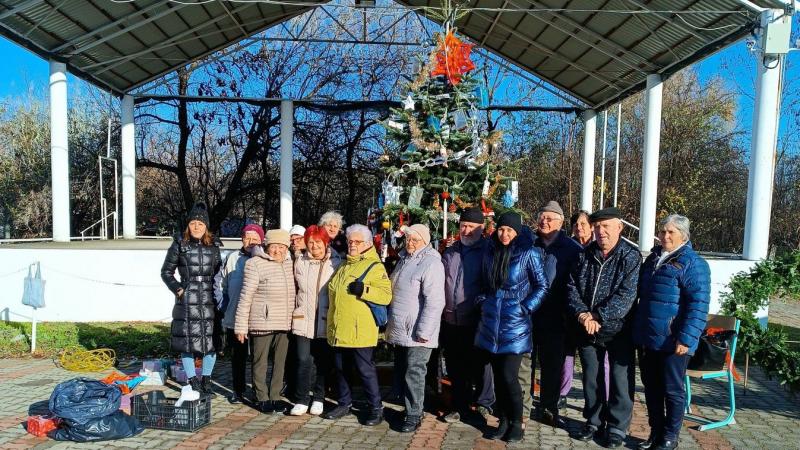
127	339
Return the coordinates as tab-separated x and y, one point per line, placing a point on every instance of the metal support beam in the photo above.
668	18
59	151
118	27
587	169
550	53
751	6
652	141
128	169
287	136
762	151
19	8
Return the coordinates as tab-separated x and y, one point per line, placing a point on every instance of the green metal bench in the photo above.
726	323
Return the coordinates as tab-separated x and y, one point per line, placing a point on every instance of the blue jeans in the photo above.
187	359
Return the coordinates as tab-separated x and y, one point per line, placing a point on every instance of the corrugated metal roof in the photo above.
601	51
123	45
598	51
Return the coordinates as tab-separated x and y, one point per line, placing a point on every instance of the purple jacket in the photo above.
417	299
462	282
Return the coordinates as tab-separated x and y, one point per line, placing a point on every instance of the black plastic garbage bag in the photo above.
118	425
82	399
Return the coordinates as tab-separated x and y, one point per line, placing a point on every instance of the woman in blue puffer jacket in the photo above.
674	293
515	282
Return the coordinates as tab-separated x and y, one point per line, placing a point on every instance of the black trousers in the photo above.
508	392
239	353
549	351
345	359
314	357
465	370
616	413
663	375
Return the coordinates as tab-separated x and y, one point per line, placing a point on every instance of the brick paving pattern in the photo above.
767	417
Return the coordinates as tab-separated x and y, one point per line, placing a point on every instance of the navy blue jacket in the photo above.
505	326
673	300
606	287
462	282
560	256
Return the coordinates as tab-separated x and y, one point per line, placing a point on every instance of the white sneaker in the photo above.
298	410
316	408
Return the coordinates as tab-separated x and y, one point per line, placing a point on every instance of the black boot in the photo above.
374	417
515	432
194	382
205	386
266	407
410	424
500	431
651	442
236	398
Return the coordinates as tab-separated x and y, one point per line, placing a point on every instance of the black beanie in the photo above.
510	219
472	215
199	212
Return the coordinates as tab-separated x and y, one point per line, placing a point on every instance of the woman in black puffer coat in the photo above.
196	257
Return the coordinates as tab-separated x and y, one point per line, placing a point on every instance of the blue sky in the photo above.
22	70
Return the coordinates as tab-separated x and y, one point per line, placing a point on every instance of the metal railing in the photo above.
103	222
630	225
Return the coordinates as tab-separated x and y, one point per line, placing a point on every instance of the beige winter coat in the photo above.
310	315
267	298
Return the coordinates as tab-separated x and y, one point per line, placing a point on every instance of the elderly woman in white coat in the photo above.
415	316
312	271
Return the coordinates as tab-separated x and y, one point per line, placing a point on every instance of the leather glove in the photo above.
356	288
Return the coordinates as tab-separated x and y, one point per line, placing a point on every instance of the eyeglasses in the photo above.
549	219
351	242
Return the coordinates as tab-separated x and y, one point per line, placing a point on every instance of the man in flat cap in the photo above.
549	321
602	288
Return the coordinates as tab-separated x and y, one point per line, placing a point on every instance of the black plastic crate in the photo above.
154	410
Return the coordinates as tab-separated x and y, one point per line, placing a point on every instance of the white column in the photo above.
587	173
128	169
59	151
762	151
287	135
652	140
603	161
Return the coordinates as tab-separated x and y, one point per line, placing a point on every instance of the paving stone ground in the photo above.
767	417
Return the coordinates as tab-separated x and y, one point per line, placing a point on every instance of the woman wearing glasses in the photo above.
417	305
352	330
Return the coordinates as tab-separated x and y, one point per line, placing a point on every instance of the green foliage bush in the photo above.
750	291
127	339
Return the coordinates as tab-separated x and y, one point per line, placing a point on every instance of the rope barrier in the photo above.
79	277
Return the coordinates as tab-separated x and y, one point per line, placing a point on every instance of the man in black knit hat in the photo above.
462	265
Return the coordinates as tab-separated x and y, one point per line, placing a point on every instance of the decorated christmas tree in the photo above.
440	160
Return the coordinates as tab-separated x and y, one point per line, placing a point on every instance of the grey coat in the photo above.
417	299
232	279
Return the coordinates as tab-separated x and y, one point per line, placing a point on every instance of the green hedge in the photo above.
750	291
127	339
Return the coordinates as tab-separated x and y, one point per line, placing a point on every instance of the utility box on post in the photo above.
776	33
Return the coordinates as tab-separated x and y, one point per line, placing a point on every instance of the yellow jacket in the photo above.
350	321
